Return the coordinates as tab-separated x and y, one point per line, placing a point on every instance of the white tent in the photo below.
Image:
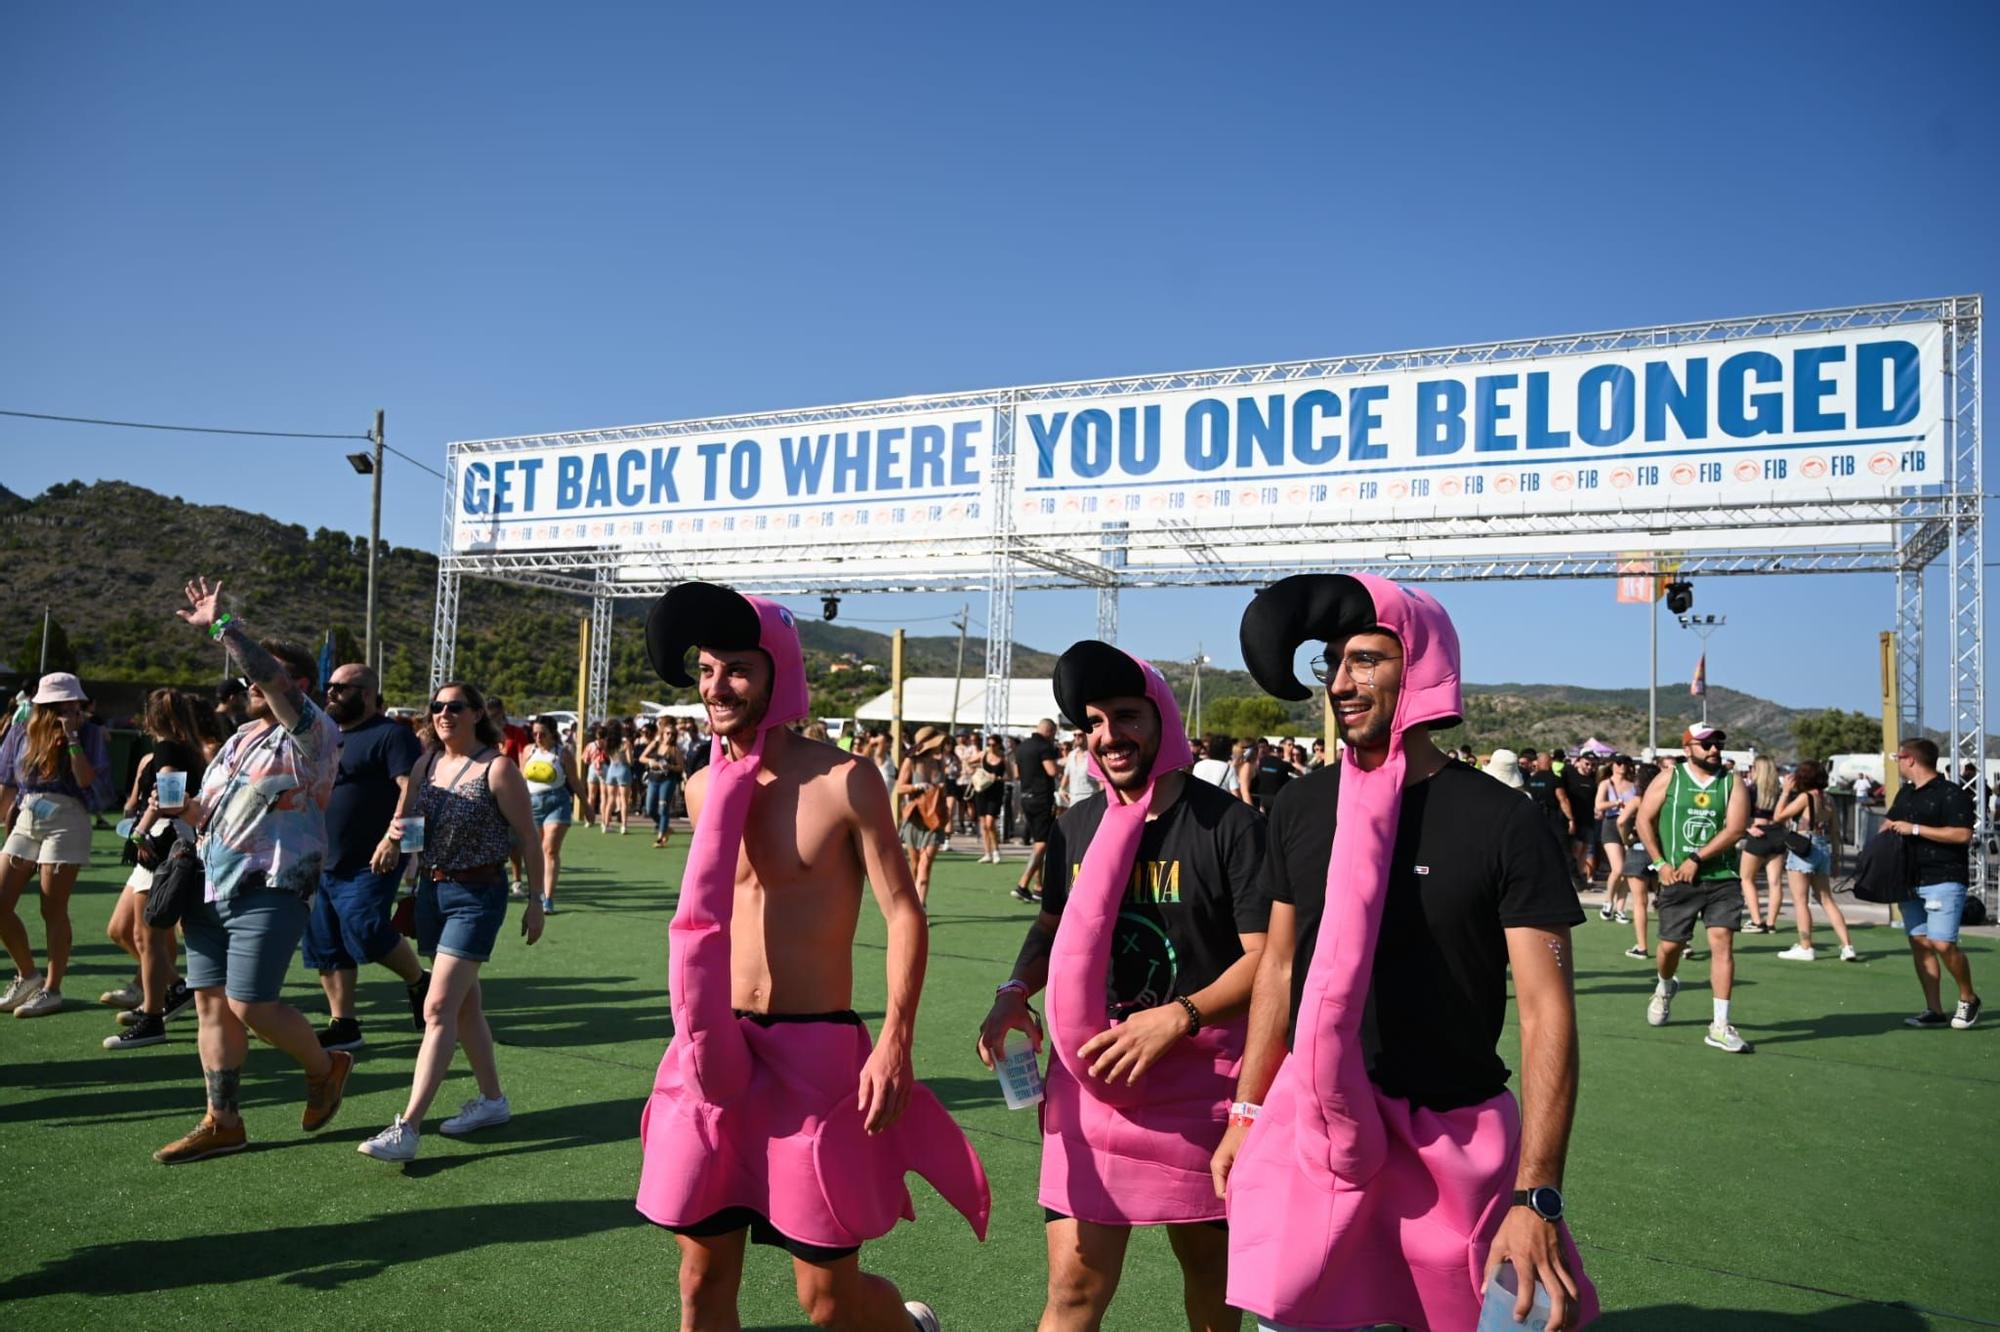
694	710
927	698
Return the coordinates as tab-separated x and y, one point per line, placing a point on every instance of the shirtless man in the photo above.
738	1144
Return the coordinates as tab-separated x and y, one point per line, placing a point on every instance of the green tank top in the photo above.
1691	817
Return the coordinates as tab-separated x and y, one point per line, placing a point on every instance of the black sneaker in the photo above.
1930	1017
1023	895
179	999
146	1029
1967	1014
341	1034
417	994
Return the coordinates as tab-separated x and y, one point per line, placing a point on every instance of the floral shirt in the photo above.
266	795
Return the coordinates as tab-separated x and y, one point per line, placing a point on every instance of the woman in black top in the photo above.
173	723
989	796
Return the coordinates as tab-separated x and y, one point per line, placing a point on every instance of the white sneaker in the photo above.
19	991
1847	954
1725	1038
1661	1006
518	890
478	1113
43	1003
398	1142
125	996
1797	953
922	1315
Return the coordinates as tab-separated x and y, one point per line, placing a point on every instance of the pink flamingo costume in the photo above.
756	1116
1118	1154
1347	1207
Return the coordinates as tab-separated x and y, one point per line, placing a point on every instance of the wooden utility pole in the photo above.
896	699
958	672
374	540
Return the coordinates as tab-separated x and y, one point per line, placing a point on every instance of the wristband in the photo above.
1194	1014
1018	986
1242	1114
222	621
75	748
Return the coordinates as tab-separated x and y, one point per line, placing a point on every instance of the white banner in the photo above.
1820	415
878	480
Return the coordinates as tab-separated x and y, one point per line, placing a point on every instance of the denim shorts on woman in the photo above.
550	807
244	943
460	919
1819	862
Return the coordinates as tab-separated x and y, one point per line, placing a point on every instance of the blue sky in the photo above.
508	219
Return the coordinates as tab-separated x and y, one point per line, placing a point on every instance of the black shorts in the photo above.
1050	1214
1719	902
732	1219
1039	817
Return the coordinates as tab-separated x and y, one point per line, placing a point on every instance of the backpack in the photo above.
1884	870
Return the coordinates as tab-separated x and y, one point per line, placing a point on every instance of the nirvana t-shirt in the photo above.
1938	803
372	756
1197	883
1471	859
1037	786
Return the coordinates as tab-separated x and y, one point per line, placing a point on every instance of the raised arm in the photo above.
288	702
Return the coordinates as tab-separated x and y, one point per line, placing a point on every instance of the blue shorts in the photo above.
1819	862
244	943
550	807
617	774
460	919
1934	912
349	923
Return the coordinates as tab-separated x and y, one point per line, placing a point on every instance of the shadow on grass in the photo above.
1829	1025
560	1129
316	1257
144	1089
960	1094
579	1011
1679	1317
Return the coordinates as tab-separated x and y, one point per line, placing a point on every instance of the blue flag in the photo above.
325	661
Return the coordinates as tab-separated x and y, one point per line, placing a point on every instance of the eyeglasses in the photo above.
342	685
453	706
1713	742
1361	667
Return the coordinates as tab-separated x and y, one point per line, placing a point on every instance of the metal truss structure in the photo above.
1901	535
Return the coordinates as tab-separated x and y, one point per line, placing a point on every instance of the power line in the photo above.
192	430
411	461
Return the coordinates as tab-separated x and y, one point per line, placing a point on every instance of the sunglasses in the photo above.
453	706
342	685
1713	742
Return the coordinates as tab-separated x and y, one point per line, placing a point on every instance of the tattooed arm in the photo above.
288	701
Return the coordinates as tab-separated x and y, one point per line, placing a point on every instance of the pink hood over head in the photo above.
705	615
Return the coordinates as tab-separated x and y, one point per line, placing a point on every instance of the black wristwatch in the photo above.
1544	1201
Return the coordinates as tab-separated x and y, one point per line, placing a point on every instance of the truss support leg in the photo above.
600	657
444	628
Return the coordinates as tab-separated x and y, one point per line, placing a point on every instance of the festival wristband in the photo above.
1018	986
1242	1114
222	622
76	749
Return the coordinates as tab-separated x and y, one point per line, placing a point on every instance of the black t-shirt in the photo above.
1271	775
1541	788
171	754
1037	786
1938	803
1197	883
372	756
1582	793
1471	859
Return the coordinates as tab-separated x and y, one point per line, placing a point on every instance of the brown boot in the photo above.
208	1139
323	1094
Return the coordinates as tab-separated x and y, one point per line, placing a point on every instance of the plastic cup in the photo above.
1020	1074
413	833
125	826
1496	1314
170	790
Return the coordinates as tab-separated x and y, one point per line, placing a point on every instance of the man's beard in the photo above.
348	707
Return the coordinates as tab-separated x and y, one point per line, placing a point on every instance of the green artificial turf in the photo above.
1842	1176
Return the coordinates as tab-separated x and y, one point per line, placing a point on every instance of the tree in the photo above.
1246	716
1821	735
62	657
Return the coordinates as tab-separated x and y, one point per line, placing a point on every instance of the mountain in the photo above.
111	559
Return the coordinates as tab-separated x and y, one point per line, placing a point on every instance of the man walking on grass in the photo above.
1937	818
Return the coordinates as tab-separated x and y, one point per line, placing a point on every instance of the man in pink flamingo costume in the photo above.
773	1118
1381	1171
1152	921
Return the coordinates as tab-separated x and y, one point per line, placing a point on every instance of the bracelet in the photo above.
222	622
1017	985
75	748
1242	1114
1194	1014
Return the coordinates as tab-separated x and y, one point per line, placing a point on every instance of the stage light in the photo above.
829	607
1680	597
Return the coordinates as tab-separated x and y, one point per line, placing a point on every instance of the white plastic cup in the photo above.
413	833
170	790
1496	1314
1019	1071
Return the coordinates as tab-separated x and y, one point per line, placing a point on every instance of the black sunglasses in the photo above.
1713	742
342	685
453	706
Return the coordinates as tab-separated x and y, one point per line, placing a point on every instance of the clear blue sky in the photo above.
505	219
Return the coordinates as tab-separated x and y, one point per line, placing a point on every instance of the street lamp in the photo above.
1704	626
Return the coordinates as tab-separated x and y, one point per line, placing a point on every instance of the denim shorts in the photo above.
1933	913
1820	862
244	943
460	919
549	808
617	774
349	923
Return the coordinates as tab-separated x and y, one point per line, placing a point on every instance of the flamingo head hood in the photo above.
694	615
1091	671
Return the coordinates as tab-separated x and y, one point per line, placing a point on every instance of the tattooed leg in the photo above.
224	1091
